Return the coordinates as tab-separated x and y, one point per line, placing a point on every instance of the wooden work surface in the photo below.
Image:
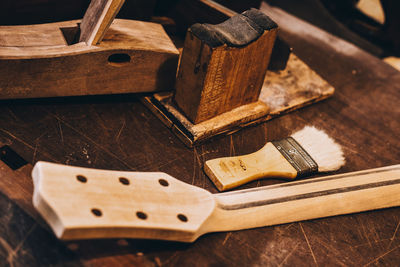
119	133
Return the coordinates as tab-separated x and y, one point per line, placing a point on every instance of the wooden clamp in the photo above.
87	57
222	85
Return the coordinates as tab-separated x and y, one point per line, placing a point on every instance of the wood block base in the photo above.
295	87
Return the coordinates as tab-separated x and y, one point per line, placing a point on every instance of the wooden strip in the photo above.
82	203
311	195
98	19
320	197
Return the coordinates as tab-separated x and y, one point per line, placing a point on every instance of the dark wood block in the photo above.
223	66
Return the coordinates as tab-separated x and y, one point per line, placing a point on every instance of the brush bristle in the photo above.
323	149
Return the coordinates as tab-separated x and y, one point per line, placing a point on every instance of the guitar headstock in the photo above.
82	203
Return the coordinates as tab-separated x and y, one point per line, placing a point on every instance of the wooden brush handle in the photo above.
230	172
81	203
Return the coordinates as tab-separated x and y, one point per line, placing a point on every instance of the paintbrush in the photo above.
304	153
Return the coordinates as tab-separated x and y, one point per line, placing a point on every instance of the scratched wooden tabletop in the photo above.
119	133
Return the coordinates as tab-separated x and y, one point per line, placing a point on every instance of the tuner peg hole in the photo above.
81	178
124	181
141	215
163	182
97	212
182	217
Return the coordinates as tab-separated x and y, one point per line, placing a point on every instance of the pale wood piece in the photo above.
145	60
230	172
172	210
67	203
283	91
218	74
294	87
393	61
373	9
97	20
218	7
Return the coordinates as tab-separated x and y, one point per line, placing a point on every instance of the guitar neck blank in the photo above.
307	199
82	203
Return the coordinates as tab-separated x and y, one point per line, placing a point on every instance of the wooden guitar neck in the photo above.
82	203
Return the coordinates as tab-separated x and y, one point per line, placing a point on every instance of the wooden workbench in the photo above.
118	132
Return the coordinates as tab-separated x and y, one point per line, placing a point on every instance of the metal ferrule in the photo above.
296	156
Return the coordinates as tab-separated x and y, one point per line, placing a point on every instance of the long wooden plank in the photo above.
83	203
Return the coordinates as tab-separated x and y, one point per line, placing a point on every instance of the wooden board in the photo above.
36	60
282	92
86	203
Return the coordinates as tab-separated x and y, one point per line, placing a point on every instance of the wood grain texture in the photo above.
19	187
102	132
191	134
146	60
223	66
97	20
283	91
111	204
230	172
82	203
